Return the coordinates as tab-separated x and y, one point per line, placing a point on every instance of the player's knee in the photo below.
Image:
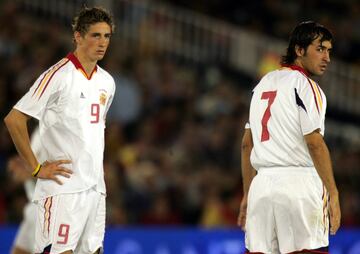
67	252
99	251
17	250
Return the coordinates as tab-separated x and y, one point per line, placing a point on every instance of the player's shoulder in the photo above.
105	75
294	77
107	78
56	71
269	78
286	72
294	74
58	66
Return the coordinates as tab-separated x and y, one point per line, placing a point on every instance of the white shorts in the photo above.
73	221
25	236
287	211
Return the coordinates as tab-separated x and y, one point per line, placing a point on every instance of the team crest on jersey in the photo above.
102	99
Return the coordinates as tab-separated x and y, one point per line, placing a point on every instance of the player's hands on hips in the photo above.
51	170
242	213
335	214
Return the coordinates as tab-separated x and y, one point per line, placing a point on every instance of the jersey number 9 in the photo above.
95	112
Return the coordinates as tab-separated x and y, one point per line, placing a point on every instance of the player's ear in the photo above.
77	37
299	50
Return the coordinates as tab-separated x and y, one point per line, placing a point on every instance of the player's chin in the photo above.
320	72
99	57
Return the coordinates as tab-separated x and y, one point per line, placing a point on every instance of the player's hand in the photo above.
242	213
335	214
51	170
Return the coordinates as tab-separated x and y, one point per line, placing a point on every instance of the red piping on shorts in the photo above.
310	251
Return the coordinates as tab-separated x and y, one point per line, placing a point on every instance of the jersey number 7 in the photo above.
270	96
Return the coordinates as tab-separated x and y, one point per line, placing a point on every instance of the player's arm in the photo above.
16	123
248	173
321	157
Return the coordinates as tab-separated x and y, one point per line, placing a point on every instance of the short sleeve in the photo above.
311	104
44	90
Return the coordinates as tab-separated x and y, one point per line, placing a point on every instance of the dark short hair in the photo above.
89	16
303	35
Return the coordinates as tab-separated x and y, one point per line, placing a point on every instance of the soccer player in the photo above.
289	187
70	100
24	240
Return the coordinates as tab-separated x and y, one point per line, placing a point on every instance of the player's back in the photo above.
275	121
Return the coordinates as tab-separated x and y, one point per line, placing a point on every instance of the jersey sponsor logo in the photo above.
82	96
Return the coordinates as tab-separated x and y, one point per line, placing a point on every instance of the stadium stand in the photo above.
183	86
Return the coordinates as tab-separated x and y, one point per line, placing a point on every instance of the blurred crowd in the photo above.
173	133
278	17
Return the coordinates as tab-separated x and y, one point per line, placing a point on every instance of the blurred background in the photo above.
184	72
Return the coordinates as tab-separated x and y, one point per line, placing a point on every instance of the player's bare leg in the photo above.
306	252
18	250
99	251
70	252
66	252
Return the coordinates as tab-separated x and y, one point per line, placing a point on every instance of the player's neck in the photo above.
86	63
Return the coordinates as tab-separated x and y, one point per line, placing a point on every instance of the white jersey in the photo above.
71	109
285	106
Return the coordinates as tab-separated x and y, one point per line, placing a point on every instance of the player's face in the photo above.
316	57
95	42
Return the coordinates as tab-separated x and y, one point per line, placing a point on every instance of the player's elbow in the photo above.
246	143
9	120
13	119
246	146
315	142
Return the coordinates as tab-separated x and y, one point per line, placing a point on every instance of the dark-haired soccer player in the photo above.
288	179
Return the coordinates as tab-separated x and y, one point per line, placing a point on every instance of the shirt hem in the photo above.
69	192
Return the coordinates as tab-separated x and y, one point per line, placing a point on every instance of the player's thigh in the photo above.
93	236
24	240
17	250
60	222
301	214
260	225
